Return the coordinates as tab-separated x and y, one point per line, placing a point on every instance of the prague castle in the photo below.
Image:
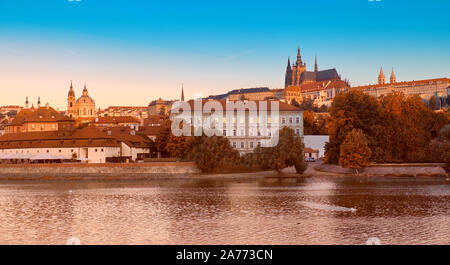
437	87
297	74
320	86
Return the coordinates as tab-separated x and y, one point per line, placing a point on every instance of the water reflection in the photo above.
220	211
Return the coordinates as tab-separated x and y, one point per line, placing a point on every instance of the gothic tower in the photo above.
316	69
182	93
393	79
71	109
300	67
381	78
288	76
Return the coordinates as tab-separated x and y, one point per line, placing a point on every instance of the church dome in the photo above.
85	98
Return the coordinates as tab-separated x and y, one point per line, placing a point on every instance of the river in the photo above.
315	210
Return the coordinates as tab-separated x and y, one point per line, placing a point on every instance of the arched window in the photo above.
70	104
84	111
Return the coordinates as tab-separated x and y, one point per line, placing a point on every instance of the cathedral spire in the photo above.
39	102
182	92
299	57
381	78
393	79
316	69
26	103
288	67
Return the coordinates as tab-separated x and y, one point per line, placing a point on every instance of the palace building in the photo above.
34	119
438	87
81	109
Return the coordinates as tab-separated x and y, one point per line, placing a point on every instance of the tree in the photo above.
440	147
354	110
355	152
163	138
288	152
177	146
212	153
433	103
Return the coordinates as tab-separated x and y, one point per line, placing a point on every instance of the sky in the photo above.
129	52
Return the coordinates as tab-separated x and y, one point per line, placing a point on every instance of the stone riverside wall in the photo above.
89	171
431	169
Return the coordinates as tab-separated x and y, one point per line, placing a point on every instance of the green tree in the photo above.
355	152
212	153
288	152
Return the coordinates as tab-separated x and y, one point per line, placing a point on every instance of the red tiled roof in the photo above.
42	114
115	120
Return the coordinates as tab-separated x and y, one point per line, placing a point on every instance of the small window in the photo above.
60	150
290	120
251	144
297	120
283	120
48	151
102	149
242	144
95	149
234	144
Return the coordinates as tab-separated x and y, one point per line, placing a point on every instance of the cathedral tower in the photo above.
288	76
381	78
393	79
316	68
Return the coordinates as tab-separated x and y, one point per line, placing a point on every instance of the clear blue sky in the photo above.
131	52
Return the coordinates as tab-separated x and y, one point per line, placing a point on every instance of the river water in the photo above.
317	210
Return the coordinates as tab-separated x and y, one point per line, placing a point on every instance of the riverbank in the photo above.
394	170
188	170
97	171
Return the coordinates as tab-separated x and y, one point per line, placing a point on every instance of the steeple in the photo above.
288	75
393	79
299	57
316	69
381	78
85	92
182	92
26	103
71	92
39	102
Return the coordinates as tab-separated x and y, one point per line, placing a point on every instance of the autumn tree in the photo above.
354	110
163	138
409	126
354	151
177	146
432	103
